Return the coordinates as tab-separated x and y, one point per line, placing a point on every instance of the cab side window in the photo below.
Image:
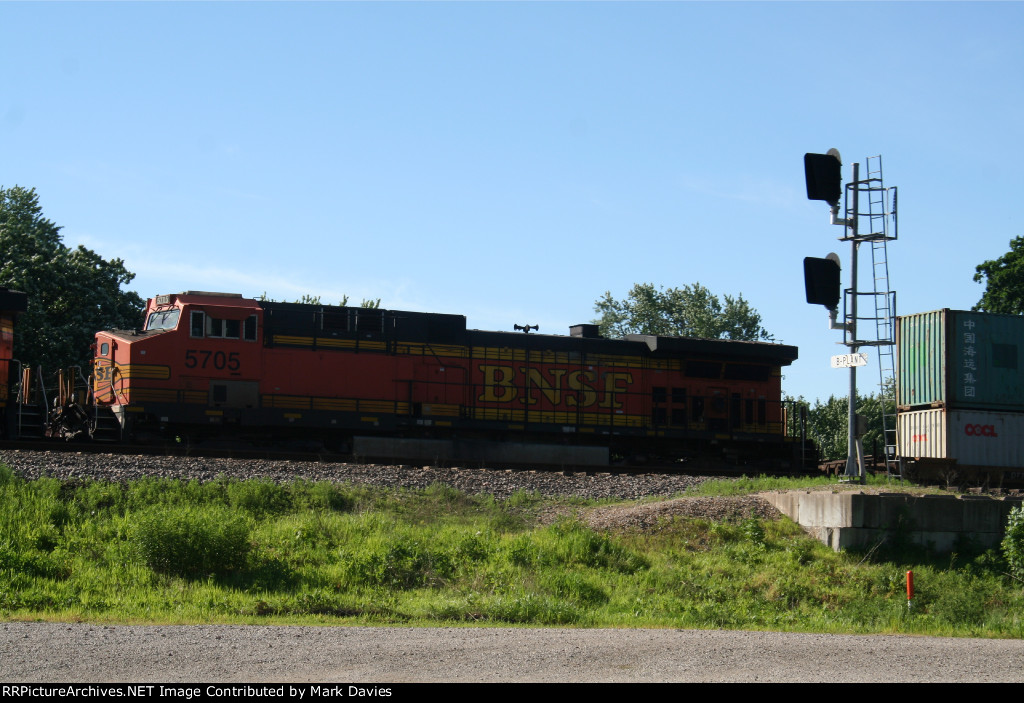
202	325
224	329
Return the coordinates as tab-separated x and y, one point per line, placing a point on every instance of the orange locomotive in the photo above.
421	387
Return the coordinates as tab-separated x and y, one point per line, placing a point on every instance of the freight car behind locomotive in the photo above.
421	387
960	395
12	304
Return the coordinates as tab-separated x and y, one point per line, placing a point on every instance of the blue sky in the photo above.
513	161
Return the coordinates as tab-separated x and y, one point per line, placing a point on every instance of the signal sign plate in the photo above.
845	361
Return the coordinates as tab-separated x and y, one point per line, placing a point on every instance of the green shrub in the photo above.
754	531
397	563
963	602
99	497
259	497
578	589
32	563
571	543
1013	542
474	548
191	542
531	608
522	551
524	499
321	495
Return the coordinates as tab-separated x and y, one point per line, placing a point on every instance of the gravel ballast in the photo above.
127	467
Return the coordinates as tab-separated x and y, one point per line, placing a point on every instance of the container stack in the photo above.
960	390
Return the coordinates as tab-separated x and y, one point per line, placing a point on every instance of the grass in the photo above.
163	551
746	485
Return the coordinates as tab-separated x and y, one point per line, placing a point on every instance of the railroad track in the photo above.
702	466
121	468
121	463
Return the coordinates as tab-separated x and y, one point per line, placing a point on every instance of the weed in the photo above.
578	589
801	551
259	498
321	495
753	531
524	499
191	542
522	551
572	543
1013	542
530	608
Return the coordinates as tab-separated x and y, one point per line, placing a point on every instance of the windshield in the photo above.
163	320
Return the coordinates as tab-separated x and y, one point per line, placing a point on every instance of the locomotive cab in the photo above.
197	359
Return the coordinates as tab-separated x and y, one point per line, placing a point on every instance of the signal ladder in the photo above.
880	217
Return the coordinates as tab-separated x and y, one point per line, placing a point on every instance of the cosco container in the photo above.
975	438
957	359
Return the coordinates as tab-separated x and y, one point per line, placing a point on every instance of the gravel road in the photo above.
47	652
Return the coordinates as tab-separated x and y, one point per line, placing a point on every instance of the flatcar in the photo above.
421	387
12	304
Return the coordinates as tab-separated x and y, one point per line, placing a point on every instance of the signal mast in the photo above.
869	217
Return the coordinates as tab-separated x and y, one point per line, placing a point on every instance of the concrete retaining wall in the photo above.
858	520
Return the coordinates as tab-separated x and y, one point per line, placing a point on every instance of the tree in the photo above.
72	293
690	311
828	423
828	426
1004	281
308	299
368	304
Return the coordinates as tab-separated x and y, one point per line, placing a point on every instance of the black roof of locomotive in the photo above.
13	300
782	354
440	328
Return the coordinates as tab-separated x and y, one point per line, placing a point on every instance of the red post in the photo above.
910	587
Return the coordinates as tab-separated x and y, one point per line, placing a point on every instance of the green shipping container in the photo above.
959	359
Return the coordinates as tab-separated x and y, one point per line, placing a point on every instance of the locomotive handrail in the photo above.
115	370
18	397
430	346
42	386
87	382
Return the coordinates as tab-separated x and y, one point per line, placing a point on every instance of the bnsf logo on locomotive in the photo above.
980	430
576	388
103	371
